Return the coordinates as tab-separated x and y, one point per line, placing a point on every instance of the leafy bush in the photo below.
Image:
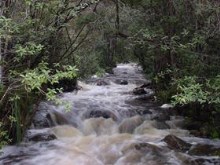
191	90
3	136
34	37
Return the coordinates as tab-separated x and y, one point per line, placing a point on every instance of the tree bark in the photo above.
117	22
1	14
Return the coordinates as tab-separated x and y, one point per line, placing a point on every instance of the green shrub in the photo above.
192	89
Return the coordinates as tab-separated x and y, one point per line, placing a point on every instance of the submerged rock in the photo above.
205	150
39	135
57	118
143	89
128	125
143	112
144	92
206	161
39	120
121	82
66	131
102	83
99	113
161	125
192	125
176	143
161	117
139	91
155	154
146	147
42	137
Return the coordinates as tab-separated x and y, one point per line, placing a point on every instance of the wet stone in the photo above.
139	91
121	82
146	147
202	161
40	120
161	125
57	118
204	150
143	89
11	159
42	137
99	113
176	143
128	125
102	83
192	125
157	153
161	117
39	135
196	133
143	112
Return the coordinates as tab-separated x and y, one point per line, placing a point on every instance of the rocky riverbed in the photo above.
112	120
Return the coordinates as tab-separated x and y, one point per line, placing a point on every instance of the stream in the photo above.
109	124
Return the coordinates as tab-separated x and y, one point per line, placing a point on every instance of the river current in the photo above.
107	125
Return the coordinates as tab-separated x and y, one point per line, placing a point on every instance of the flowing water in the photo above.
107	125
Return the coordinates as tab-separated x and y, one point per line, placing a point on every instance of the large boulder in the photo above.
46	117
176	143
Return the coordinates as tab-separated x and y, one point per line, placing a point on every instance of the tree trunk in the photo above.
1	14
117	22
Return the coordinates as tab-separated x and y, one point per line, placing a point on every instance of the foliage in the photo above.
202	96
37	43
191	90
3	136
181	36
177	44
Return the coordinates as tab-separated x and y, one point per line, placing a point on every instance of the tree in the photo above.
36	42
179	42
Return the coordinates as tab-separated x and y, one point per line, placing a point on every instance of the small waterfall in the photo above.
106	125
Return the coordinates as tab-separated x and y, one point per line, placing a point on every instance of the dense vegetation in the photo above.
46	43
179	42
